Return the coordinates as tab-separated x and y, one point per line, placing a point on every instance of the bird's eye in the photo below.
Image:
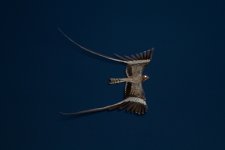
145	77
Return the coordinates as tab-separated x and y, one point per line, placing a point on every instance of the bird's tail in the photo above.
116	80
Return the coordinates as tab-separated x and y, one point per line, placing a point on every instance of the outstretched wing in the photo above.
134	102
102	55
141	59
135	90
136	63
131	104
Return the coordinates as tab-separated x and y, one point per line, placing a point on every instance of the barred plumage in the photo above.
115	80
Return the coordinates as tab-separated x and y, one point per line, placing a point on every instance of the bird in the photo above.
134	97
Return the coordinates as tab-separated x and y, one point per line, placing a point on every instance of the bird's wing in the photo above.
135	93
138	63
123	60
137	59
131	104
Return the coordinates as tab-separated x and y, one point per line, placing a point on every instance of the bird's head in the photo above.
145	77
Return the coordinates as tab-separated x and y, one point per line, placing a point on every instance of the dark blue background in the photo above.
43	74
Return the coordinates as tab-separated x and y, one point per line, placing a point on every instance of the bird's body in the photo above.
134	99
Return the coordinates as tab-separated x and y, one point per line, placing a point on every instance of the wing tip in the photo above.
143	57
135	105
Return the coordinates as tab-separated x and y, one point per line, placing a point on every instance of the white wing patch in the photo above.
136	100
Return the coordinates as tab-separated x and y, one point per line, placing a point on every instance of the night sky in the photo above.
42	74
